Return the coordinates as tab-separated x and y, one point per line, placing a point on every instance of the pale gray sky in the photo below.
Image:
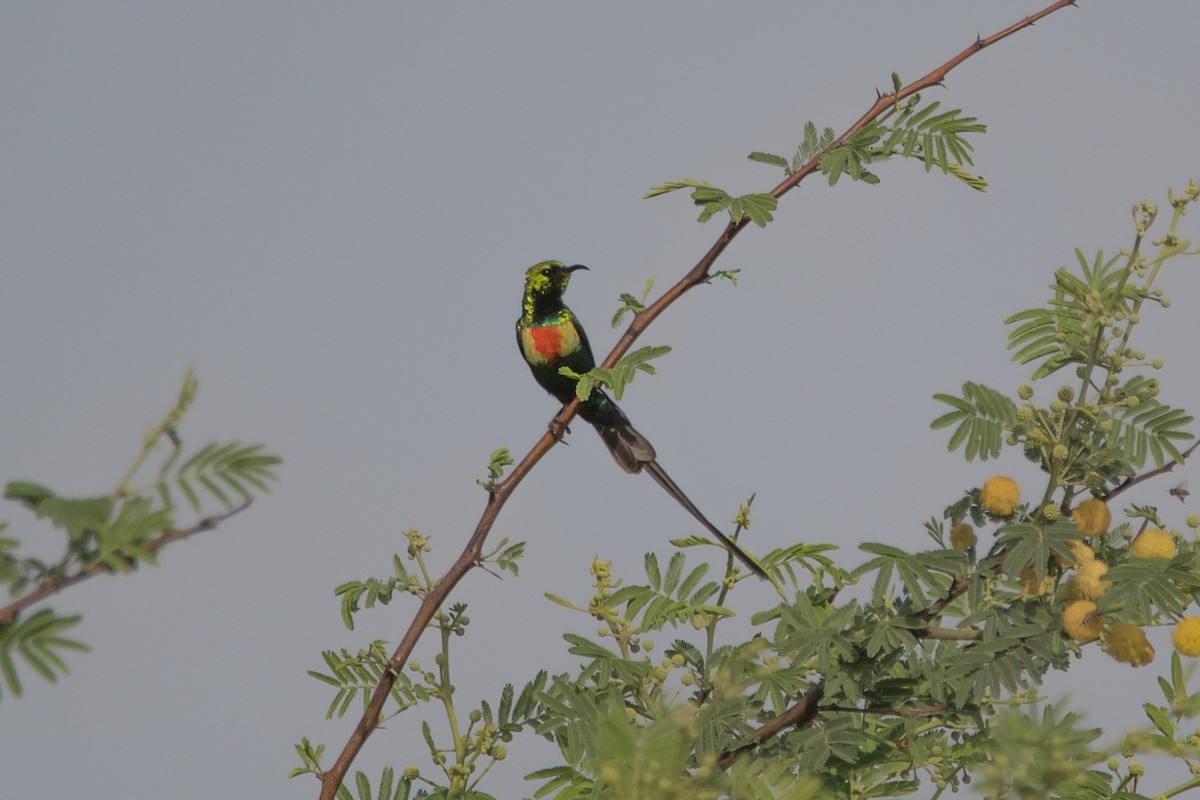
327	210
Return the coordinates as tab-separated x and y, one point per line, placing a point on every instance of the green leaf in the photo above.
37	640
222	471
770	158
981	416
80	518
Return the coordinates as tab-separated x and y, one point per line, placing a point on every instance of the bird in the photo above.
550	337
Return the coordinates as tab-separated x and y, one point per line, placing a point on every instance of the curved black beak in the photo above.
574	267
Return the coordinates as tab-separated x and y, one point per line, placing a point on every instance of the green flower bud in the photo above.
1156	363
411	773
499	752
1051	512
1025	414
1066	394
1060	452
475	715
1024	391
1193	521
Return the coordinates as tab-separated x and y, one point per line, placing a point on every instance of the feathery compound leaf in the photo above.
622	372
224	472
770	158
981	416
758	207
121	544
80	518
1149	430
36	640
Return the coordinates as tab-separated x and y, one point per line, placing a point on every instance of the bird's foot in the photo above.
558	428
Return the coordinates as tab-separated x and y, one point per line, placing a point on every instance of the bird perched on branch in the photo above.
551	337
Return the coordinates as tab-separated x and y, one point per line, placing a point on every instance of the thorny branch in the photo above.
49	587
700	273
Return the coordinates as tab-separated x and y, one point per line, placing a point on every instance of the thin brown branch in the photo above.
700	273
803	712
1134	480
50	587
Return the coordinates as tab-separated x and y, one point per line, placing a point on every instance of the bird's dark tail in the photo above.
664	480
634	453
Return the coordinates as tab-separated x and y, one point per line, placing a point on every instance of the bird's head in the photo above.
548	278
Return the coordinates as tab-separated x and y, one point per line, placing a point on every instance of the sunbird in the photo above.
550	336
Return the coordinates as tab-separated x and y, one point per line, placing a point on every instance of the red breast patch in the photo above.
547	341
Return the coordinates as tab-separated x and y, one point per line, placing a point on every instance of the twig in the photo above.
1133	480
332	779
50	587
804	711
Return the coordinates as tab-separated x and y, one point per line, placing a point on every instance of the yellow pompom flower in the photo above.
1088	583
1092	517
1127	644
1031	586
1081	622
1153	543
1082	554
962	537
1000	496
1186	636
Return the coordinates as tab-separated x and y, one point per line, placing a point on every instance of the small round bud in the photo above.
411	773
474	716
1156	363
1051	512
678	660
1066	394
1025	414
1193	521
1060	452
499	752
1024	391
1058	406
648	644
